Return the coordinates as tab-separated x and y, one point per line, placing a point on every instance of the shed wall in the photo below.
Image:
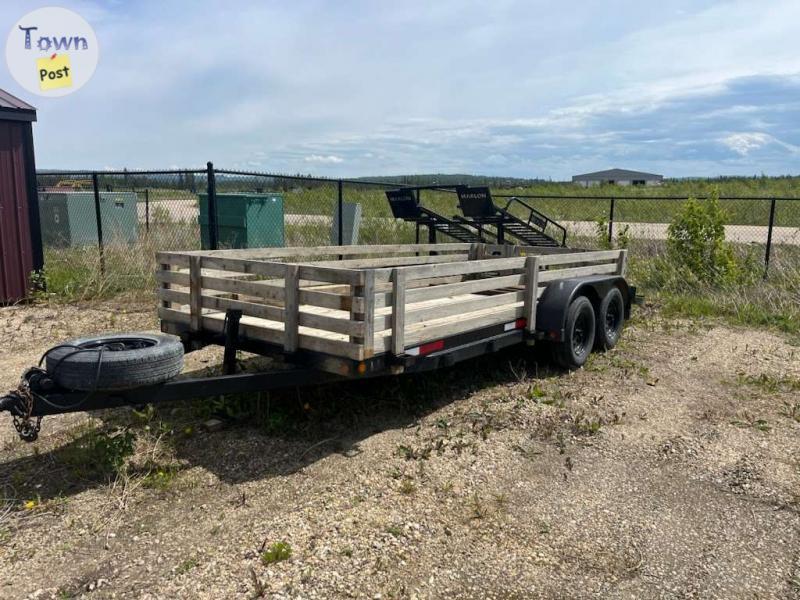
16	251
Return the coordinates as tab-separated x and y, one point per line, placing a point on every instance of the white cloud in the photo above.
745	142
318	158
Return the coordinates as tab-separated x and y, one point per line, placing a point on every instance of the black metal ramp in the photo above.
536	229
404	205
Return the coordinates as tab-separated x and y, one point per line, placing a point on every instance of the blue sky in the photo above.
530	89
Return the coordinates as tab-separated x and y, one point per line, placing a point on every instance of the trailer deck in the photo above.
347	305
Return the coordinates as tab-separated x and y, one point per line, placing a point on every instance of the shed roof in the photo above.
616	174
14	109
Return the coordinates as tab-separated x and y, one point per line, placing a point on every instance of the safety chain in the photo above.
26	427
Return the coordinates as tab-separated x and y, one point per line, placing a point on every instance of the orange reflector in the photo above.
362	368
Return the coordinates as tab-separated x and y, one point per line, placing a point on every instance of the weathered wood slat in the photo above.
237	286
557	274
459	306
466	287
195	290
331	275
436	331
175	296
175	277
465	268
299	251
255	267
531	291
397	320
178	259
291	313
392	261
578	257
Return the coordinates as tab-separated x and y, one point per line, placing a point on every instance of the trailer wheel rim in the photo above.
119	344
580	334
613	318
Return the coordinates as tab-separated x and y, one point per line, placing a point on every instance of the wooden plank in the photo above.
175	277
460	305
368	293
254	267
276	313
391	261
464	268
292	251
329	300
173	258
622	263
531	292
331	275
398	324
275	336
578	257
195	290
466	287
556	274
291	317
262	311
433	331
168	296
173	315
164	286
327	323
237	286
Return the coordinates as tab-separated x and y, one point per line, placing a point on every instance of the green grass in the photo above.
277	552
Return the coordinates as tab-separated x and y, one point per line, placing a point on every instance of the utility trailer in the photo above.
337	313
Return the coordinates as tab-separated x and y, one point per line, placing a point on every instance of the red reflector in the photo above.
431	347
520	323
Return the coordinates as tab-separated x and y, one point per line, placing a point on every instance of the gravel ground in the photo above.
667	468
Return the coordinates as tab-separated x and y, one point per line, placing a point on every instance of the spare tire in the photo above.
115	362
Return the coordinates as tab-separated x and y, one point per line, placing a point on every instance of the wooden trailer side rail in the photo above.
363	304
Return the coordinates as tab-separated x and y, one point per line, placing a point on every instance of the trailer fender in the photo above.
551	310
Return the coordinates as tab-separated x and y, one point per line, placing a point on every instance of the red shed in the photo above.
20	234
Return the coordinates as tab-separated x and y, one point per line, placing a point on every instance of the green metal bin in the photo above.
244	220
69	219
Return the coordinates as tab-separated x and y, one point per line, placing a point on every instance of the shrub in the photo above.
696	241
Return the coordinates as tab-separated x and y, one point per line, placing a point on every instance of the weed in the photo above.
99	453
747	420
394	530
478	509
159	476
277	552
347	551
770	383
791	410
187	565
407	487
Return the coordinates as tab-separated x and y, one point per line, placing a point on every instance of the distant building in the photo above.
617	177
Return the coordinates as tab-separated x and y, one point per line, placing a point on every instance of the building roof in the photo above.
14	109
616	175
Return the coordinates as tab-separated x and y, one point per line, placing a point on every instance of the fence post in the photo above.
340	208
769	236
213	232
99	222
147	210
611	221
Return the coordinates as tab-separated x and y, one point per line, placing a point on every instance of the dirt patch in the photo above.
668	468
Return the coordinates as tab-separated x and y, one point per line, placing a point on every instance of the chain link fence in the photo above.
102	229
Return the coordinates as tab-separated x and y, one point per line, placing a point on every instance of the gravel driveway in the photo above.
667	468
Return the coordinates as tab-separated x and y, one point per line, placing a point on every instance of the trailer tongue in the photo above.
334	314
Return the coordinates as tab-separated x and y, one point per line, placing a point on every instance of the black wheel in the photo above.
115	362
610	318
572	352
